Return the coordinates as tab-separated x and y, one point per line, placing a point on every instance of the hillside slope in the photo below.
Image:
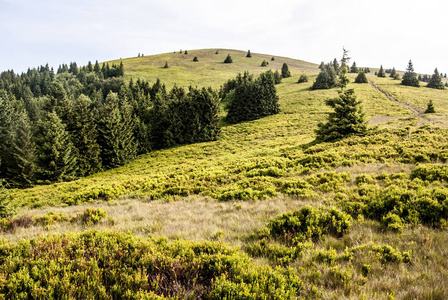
390	185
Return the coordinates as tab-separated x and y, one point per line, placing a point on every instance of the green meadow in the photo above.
276	214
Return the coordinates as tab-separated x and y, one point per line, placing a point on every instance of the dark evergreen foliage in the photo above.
361	78
273	58
393	73
56	160
249	55
195	58
348	117
264	63
381	72
285	71
354	68
228	59
166	66
436	81
326	78
430	109
410	77
253	98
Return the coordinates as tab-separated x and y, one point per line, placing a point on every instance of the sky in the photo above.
380	32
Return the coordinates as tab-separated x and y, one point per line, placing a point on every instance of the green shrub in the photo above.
392	222
431	172
7	206
326	256
309	224
100	265
90	216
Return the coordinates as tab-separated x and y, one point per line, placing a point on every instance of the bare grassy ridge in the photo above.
229	190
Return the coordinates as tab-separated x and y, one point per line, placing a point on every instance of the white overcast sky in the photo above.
380	32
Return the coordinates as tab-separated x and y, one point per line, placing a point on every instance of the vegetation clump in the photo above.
253	98
303	78
361	78
348	117
381	72
285	71
228	59
410	77
436	81
430	109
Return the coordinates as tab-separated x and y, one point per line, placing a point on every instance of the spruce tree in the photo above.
302	78
430	109
56	159
393	72
361	78
228	59
195	58
436	81
264	63
354	68
22	165
285	71
116	129
348	117
410	77
166	65
381	72
84	136
248	54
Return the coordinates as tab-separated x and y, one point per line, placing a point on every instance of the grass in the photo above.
229	189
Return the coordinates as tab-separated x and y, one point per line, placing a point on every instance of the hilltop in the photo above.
360	217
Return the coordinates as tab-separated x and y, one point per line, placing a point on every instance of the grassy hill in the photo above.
230	190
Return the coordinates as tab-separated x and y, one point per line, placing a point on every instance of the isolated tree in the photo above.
410	77
436	81
348	117
393	72
217	52
273	58
195	58
326	78
354	68
166	66
248	54
264	63
381	72
430	109
285	71
186	52
228	59
361	78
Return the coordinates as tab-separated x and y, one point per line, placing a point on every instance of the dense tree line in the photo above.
56	127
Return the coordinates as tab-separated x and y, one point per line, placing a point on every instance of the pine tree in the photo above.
264	63
361	78
166	65
410	77
116	129
336	66
55	153
248	54
273	59
381	72
302	78
430	109
195	58
22	164
348	117
393	72
285	71
228	59
326	78
84	136
354	68
436	81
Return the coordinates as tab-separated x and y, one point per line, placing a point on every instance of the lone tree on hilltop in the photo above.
285	71
348	117
248	54
436	81
410	77
228	59
361	78
381	72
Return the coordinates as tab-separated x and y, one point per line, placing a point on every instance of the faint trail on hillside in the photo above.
415	112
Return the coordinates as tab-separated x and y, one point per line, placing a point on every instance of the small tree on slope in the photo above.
348	117
410	77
